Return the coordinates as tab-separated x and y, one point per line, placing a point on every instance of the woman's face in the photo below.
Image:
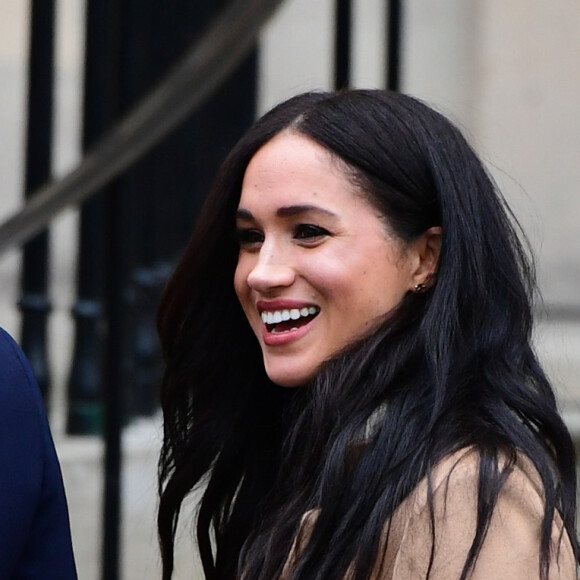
317	267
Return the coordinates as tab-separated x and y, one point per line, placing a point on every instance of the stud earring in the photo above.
419	288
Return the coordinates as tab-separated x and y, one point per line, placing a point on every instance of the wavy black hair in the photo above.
450	368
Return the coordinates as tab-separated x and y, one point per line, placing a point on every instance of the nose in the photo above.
270	272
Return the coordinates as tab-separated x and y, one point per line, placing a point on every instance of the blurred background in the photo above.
124	108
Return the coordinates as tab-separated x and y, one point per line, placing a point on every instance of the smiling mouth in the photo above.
279	321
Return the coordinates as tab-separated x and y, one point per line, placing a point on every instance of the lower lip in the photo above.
283	338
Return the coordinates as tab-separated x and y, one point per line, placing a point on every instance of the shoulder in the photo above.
454	483
14	367
23	423
21	406
456	478
34	527
442	530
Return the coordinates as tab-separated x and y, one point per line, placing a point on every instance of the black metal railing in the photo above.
144	133
209	62
34	303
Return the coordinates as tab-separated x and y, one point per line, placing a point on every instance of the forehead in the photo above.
293	168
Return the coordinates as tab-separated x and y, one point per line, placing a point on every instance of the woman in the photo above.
348	364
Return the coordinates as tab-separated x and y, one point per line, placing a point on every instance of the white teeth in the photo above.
277	316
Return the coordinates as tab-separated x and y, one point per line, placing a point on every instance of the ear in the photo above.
426	249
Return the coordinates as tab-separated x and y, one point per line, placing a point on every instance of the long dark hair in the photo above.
451	368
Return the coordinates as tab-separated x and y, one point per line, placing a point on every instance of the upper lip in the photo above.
282	304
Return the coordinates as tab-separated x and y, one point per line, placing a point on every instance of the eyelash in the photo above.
305	233
309	231
248	237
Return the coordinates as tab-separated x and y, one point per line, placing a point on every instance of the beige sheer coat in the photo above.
510	550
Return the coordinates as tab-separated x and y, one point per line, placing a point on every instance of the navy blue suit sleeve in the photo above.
35	542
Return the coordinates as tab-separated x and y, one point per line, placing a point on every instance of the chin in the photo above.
287	382
290	378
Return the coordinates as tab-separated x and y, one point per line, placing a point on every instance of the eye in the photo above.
248	237
309	232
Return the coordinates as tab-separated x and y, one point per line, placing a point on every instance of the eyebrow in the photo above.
287	211
244	214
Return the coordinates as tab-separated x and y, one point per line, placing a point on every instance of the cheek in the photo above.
368	289
326	278
340	285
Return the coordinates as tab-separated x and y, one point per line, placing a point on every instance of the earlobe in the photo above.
428	249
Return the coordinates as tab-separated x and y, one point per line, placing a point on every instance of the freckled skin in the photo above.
355	273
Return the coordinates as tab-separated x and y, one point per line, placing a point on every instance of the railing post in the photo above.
34	303
85	414
114	389
139	71
394	23
342	43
